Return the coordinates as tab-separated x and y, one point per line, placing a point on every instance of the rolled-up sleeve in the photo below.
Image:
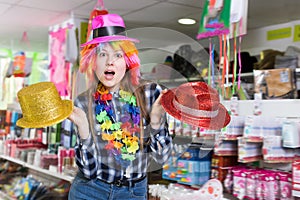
86	155
161	141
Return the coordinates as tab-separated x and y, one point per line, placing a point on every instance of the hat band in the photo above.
108	31
195	112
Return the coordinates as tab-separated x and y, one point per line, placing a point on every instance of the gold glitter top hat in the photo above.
42	106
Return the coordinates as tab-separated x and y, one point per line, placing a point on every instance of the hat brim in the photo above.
68	108
109	39
215	123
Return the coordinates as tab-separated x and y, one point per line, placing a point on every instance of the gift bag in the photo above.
276	83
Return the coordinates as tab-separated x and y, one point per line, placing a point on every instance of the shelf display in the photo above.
255	134
212	189
253	183
191	168
17	182
39	169
221	164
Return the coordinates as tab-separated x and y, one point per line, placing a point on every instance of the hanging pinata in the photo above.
215	18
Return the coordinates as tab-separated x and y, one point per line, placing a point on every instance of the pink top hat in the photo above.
108	27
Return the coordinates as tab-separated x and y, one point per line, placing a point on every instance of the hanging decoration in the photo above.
57	42
238	17
215	18
98	10
20	66
227	20
63	55
238	28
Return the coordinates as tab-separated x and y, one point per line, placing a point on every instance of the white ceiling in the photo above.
35	16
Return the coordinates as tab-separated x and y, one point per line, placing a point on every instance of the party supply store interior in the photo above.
253	65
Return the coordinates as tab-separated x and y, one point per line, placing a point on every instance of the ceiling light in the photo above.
186	21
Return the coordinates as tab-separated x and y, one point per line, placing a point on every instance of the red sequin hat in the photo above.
197	104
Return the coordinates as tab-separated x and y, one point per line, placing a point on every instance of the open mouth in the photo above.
108	72
109	75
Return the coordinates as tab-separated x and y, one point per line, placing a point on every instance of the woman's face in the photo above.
110	66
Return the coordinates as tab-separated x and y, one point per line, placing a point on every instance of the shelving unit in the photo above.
275	108
38	169
4	196
177	81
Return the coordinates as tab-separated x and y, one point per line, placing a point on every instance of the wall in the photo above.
256	40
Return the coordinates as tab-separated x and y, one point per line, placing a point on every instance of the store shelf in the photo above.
226	153
228	137
179	80
279	161
284	107
38	169
250	159
182	80
254	139
296	193
4	196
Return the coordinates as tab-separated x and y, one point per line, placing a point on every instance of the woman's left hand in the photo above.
157	111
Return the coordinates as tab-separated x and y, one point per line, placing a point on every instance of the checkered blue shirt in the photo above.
95	162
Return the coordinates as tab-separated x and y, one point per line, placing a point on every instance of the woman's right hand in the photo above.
79	118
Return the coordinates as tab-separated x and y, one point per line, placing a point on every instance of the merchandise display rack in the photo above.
4	196
273	108
285	108
38	169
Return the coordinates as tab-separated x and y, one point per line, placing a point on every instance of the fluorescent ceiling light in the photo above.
186	21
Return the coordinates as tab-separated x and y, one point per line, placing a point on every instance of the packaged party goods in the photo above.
251	180
271	126
290	133
228	182
186	130
225	147
266	185
235	128
285	184
271	182
273	151
171	124
195	131
260	186
248	151
296	174
275	83
208	134
277	185
253	128
239	183
178	127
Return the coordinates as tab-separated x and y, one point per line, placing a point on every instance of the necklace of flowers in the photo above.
121	138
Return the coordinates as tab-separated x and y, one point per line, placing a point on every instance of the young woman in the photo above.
120	123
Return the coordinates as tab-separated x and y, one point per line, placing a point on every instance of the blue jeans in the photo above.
95	189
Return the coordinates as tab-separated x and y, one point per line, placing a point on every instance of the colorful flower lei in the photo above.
121	138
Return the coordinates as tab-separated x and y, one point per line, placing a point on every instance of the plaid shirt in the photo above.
95	162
